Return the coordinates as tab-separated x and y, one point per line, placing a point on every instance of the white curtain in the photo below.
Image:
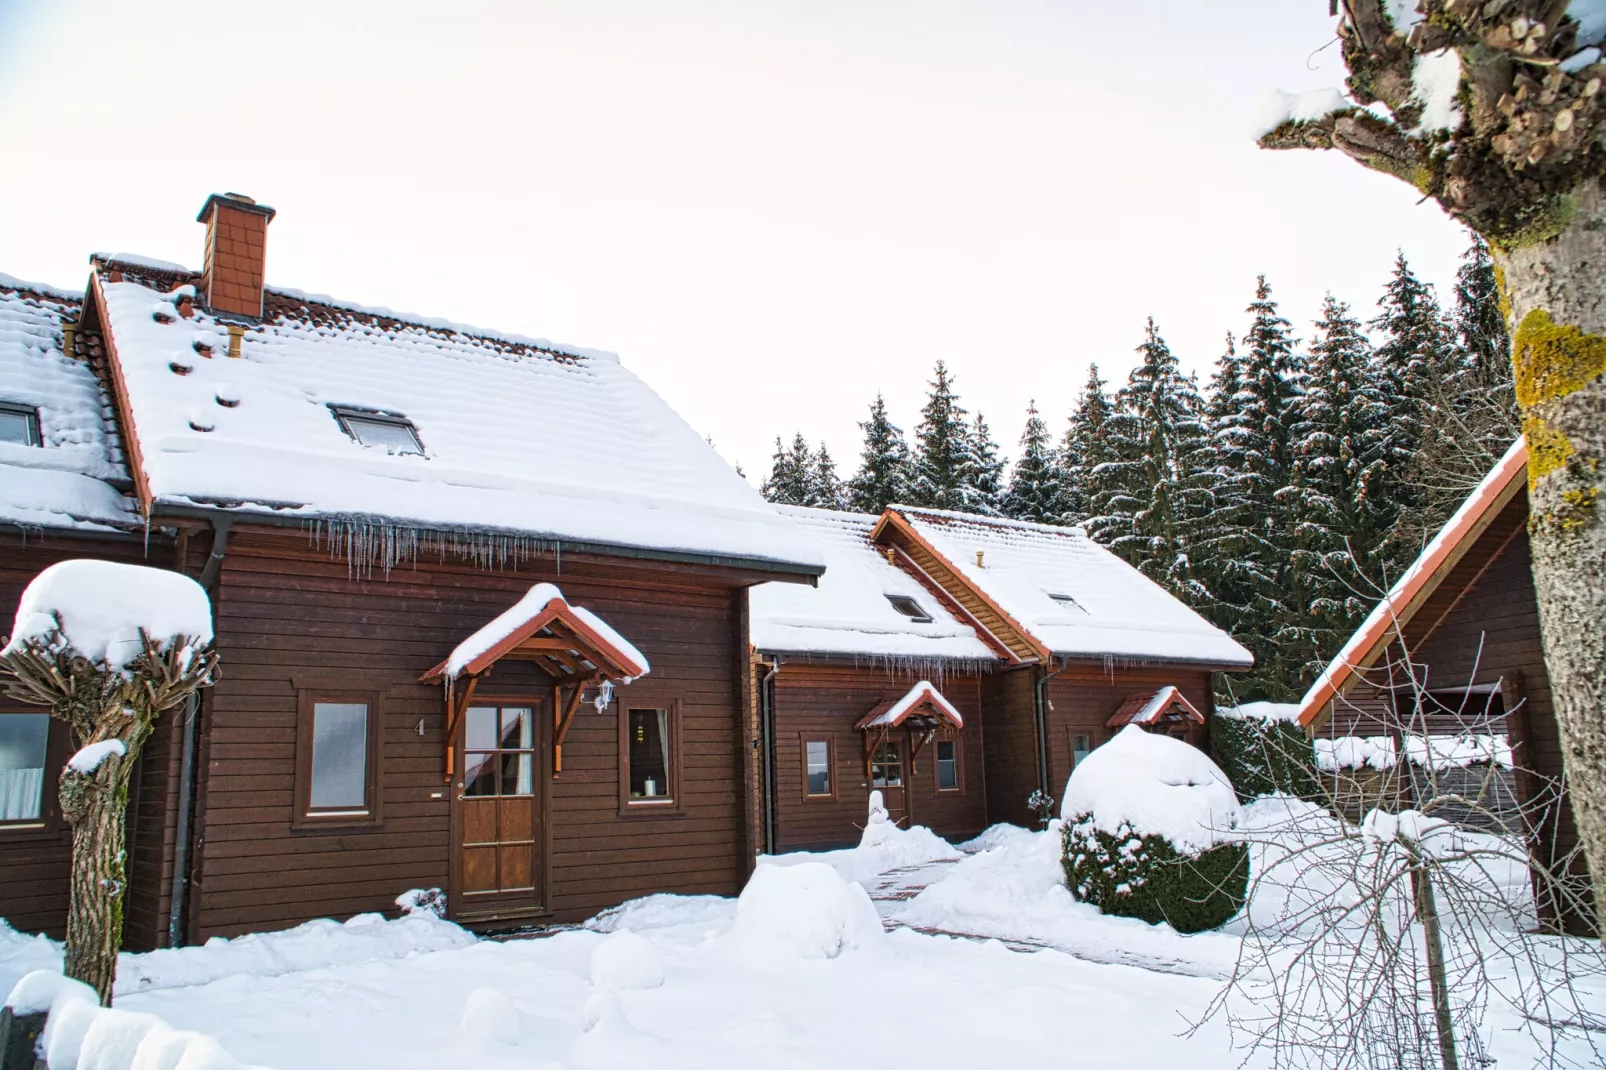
666	788
20	793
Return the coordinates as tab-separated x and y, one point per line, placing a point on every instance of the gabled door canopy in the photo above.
923	707
1166	704
570	643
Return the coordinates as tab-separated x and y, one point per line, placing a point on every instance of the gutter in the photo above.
184	833
766	727
1041	713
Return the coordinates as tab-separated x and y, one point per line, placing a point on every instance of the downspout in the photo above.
184	832
1041	712
766	727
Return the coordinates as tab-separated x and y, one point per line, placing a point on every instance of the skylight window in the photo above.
1067	602
19	424
909	608
390	432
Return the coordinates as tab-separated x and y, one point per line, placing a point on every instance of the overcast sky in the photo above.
770	210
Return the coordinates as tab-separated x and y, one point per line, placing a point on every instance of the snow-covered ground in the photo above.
979	957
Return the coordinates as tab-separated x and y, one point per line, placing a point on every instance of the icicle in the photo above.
366	544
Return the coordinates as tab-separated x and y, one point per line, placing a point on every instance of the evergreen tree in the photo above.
826	490
883	476
1085	452
1157	495
1414	350
791	472
1480	328
984	471
1034	487
943	458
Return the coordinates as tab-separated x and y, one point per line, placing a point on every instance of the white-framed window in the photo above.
817	767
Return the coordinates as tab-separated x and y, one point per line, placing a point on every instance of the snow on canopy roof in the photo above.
535	612
1505	479
1148	709
1072	595
102	606
63	482
519	437
848	612
1152	784
893	712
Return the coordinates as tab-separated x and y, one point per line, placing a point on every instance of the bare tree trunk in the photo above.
1556	306
96	806
1427	909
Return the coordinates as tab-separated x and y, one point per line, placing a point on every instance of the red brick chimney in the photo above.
236	249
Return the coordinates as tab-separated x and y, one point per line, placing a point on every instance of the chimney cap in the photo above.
238	201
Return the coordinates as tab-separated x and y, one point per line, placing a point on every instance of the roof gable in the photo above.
520	436
922	704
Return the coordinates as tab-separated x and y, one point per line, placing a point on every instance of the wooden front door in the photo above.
887	777
497	829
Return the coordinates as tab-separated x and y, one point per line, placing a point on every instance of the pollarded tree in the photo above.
883	476
1495	111
1034	486
1085	453
107	648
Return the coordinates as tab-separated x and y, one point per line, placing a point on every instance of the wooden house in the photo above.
1455	648
363	493
1040	643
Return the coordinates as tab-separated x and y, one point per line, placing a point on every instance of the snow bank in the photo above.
1261	711
1439	753
489	1015
101	607
1000	835
882	846
667	914
1278	107
1153	785
87	760
626	960
806	910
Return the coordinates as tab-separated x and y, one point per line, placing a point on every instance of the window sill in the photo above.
358	822
644	809
35	831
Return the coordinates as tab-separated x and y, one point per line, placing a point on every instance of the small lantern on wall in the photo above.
604	696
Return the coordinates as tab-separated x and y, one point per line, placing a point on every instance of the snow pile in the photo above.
87	760
1278	107
1355	752
806	910
541	597
1000	835
684	919
102	606
626	960
1146	784
882	846
489	1015
431	901
1439	753
1271	712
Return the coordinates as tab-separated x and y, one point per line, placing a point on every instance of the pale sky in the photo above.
769	210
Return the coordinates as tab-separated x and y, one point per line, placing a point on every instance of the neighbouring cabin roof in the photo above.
922	704
1166	704
850	612
69	480
519	436
1507	479
1069	595
565	639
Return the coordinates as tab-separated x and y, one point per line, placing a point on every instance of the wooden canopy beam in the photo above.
565	719
454	717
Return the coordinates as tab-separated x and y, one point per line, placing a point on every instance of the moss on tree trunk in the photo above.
96	806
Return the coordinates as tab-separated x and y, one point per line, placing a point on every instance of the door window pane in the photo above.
518	728
339	756
886	767
23	737
649	754
479	728
818	757
947	765
479	773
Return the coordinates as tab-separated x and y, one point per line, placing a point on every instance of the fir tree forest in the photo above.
1279	500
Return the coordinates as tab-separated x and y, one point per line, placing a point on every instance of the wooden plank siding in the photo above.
823	702
1083	697
1009	730
289	616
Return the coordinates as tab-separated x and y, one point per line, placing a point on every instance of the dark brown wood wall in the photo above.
1083	697
34	864
290	617
1009	730
823	702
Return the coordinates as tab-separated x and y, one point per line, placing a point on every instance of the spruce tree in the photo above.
1085	452
793	473
943	458
1480	328
883	476
825	490
1157	497
984	471
1035	485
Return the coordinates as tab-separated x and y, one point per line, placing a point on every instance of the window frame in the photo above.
924	617
344	414
58	748
1065	601
30	416
948	736
804	739
303	816
675	804
1092	745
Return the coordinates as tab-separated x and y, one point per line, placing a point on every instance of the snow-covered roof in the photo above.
893	712
849	613
534	615
63	481
1072	595
519	436
1148	709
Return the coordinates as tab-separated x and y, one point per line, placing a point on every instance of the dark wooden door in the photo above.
497	830
887	777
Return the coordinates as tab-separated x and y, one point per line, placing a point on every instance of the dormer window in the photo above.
388	431
19	424
1067	602
909	608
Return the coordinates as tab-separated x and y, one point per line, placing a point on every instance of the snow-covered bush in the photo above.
803	911
1263	750
1150	833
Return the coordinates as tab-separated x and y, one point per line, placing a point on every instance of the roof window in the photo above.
388	431
1068	602
19	424
909	608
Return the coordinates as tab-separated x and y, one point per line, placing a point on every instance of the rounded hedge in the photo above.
1263	755
1147	877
